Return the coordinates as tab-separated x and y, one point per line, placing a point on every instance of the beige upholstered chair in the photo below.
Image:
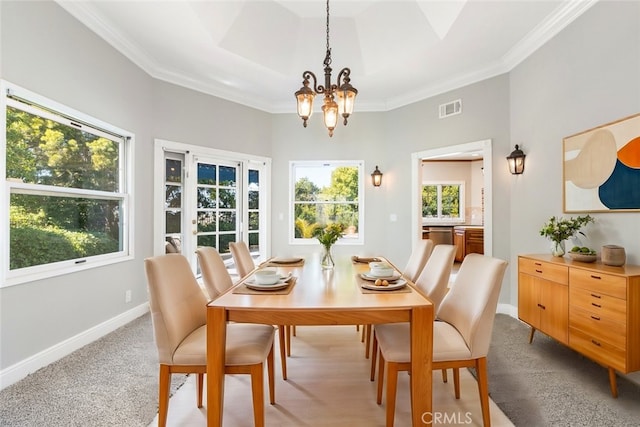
461	337
419	256
432	282
178	313
244	264
217	280
417	260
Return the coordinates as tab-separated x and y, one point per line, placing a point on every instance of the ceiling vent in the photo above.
451	108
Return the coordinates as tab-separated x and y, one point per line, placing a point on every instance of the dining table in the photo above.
317	296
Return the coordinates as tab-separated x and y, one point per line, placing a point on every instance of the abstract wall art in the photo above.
601	168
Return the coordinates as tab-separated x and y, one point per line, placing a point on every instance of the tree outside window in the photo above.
443	201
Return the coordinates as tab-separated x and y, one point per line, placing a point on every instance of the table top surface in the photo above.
320	289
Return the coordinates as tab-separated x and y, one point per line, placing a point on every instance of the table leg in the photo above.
216	339
421	362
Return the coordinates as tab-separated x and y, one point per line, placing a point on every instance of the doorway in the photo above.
484	149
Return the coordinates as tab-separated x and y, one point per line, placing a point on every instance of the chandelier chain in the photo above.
327	59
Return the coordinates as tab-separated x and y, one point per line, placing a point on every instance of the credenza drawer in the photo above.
599	304
544	270
607	284
600	328
600	351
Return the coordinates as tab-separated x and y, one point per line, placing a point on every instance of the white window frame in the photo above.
361	190
461	217
125	194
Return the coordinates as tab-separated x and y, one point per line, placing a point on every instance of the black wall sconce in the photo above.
376	177
516	161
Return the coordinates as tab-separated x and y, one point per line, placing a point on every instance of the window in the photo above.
326	192
443	202
67	189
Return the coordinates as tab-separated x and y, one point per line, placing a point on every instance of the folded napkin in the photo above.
364	260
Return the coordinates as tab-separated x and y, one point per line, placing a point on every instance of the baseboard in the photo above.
20	370
507	309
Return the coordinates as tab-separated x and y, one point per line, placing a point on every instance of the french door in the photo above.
211	198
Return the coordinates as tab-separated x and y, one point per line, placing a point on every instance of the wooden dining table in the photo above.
323	297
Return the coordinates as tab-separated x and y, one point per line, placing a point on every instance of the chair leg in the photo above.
199	384
364	327
367	341
392	388
283	355
288	330
163	394
374	354
444	376
293	328
380	378
456	382
257	392
270	376
357	328
483	389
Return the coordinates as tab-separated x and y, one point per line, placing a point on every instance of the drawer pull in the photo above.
596	296
537	263
539	271
595	317
542	306
596	342
596	305
596	277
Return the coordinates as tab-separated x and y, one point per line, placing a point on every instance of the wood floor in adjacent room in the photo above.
329	385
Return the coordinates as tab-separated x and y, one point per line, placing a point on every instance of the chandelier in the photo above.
338	98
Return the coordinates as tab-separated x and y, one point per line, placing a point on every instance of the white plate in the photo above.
392	286
371	277
280	285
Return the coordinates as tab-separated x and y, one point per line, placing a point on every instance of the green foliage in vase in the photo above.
329	235
558	229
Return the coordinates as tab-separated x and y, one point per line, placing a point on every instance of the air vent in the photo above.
451	108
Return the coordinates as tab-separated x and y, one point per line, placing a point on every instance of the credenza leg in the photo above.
613	382
533	331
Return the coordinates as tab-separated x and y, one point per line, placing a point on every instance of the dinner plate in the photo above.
280	285
371	277
392	286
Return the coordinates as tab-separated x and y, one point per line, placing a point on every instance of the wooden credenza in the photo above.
591	307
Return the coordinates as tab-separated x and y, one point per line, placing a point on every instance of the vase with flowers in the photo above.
559	229
327	236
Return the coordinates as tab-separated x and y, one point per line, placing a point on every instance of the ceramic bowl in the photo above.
266	277
381	271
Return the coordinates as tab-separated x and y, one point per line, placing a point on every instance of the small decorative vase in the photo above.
557	248
327	259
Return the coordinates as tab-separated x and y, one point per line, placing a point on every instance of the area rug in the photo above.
547	384
110	382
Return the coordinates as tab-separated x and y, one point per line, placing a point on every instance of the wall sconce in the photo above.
516	161
376	177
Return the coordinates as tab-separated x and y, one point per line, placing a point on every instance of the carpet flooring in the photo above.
547	384
110	382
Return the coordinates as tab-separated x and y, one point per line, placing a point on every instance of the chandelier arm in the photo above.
344	74
309	76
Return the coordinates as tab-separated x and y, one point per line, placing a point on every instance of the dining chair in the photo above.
418	258
461	336
244	264
178	313
217	280
432	282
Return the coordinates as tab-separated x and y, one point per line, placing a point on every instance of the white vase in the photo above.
557	248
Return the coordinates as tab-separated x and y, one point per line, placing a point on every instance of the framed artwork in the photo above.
601	168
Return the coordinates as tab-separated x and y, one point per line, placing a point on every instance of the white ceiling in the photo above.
253	52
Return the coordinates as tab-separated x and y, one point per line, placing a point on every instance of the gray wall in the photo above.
582	78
